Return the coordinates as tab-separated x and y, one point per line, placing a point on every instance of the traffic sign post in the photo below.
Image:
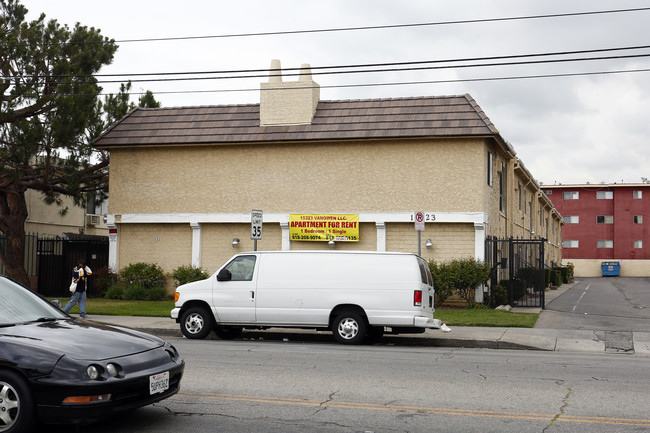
419	226
256	227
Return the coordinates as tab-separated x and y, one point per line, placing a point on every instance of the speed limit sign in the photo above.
256	225
419	221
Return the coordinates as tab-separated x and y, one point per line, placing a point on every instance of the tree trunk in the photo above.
13	214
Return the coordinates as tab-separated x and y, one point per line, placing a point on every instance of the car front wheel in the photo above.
16	404
196	323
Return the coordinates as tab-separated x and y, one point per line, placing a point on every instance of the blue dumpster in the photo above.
611	269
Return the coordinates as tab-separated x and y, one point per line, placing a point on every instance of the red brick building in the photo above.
604	222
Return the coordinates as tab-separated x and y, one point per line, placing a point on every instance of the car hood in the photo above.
81	339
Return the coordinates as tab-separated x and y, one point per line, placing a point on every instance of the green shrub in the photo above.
115	292
137	292
556	277
187	274
440	284
462	276
147	275
499	294
105	280
142	282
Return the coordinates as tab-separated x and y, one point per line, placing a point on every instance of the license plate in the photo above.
159	382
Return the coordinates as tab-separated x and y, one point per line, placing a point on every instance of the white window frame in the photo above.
605	243
570	195
571	219
570	243
638	219
637	195
605	195
638	244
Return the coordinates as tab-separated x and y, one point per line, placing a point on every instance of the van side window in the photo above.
241	268
425	272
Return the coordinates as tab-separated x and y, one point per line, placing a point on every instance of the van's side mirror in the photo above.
224	275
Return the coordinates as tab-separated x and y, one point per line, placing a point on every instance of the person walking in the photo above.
79	275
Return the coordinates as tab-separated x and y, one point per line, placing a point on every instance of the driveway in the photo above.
604	304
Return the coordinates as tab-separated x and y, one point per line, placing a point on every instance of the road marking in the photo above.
580	299
421	409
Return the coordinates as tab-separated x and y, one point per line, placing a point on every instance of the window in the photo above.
638	219
570	195
525	201
637	195
489	169
571	219
519	189
241	268
502	188
605	244
604	195
547	191
570	244
638	244
604	219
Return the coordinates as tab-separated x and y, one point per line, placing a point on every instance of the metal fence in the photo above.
51	260
518	267
57	258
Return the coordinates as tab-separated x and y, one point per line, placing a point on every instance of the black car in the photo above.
58	369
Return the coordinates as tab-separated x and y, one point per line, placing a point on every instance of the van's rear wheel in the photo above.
196	323
227	332
349	328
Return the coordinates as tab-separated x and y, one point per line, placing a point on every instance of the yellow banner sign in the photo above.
328	227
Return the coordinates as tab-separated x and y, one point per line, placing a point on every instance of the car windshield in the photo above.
19	305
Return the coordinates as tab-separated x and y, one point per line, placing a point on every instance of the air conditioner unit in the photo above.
93	220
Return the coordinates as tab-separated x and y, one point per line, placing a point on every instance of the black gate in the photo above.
520	263
57	258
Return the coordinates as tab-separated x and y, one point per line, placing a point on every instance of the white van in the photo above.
354	294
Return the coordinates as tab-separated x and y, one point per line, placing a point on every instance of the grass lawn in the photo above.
452	317
486	317
116	307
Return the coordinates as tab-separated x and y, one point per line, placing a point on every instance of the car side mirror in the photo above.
224	275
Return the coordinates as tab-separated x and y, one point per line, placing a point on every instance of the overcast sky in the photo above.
576	129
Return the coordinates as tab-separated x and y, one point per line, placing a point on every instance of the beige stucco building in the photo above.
183	181
47	219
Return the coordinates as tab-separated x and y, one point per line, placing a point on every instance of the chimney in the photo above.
288	102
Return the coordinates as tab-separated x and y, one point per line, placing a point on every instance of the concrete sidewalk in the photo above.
562	340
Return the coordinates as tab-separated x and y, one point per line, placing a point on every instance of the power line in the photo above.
409	69
405	83
357	28
372	65
383	27
339	69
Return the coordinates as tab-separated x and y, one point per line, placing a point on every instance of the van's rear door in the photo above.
427	284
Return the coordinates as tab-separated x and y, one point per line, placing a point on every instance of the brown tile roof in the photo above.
443	116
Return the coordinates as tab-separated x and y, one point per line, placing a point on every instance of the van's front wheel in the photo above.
196	323
349	328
